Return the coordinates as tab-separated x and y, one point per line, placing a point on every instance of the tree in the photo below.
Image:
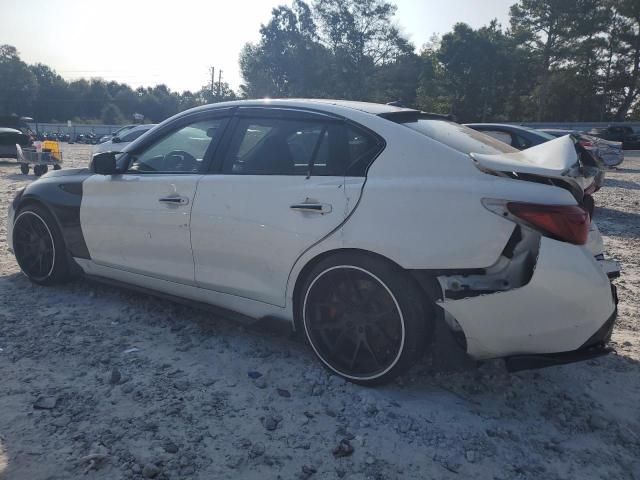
111	115
625	57
52	100
555	30
288	60
361	36
19	85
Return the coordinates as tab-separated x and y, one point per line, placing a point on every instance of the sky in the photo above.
146	42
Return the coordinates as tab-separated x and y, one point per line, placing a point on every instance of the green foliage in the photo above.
38	91
111	114
18	85
559	60
353	51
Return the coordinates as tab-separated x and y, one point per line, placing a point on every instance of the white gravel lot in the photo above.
136	387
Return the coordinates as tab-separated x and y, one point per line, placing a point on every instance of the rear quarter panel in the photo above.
421	206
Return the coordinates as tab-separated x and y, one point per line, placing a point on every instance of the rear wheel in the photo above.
39	247
364	317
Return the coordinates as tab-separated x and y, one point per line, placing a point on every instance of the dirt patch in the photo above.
112	384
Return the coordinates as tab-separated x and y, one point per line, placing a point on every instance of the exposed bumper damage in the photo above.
567	300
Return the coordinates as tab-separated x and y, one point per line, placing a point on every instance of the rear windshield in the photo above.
458	137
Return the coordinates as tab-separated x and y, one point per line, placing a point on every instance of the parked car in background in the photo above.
618	133
17	123
515	135
9	137
118	133
87	138
118	143
523	138
610	152
359	224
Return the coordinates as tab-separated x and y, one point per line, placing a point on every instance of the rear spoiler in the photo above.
411	115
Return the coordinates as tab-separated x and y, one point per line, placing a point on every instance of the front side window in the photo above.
271	146
182	151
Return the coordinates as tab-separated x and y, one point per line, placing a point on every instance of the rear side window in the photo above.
458	137
276	146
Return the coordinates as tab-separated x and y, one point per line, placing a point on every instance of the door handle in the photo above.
174	200
321	208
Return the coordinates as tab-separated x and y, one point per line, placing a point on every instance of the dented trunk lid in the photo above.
557	159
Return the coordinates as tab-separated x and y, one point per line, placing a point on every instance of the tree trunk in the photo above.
634	82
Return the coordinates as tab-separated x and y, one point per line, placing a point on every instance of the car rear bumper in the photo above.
595	346
567	301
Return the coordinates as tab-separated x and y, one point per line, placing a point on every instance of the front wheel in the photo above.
39	247
365	318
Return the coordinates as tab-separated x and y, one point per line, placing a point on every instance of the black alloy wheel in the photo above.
364	319
38	246
34	246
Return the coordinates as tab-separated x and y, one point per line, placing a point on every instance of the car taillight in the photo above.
568	223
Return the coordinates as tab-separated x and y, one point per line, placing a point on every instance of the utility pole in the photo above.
220	83
213	81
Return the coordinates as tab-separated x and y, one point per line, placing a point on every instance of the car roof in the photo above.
313	103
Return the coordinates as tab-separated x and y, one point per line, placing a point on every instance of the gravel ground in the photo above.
98	382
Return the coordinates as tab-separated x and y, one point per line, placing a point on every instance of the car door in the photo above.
286	180
139	220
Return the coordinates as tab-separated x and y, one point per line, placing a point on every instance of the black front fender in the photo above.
61	195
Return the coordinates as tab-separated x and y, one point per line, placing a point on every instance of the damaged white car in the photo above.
364	226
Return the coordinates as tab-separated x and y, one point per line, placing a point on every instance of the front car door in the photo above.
286	180
139	221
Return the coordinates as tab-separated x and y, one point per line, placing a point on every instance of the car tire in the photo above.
57	167
39	247
366	318
24	168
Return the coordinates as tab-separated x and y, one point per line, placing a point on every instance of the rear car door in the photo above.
139	221
286	180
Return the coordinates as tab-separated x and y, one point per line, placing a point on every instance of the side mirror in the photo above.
116	140
104	163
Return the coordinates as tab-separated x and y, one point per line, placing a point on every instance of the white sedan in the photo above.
363	225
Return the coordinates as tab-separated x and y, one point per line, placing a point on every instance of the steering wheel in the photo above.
179	161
